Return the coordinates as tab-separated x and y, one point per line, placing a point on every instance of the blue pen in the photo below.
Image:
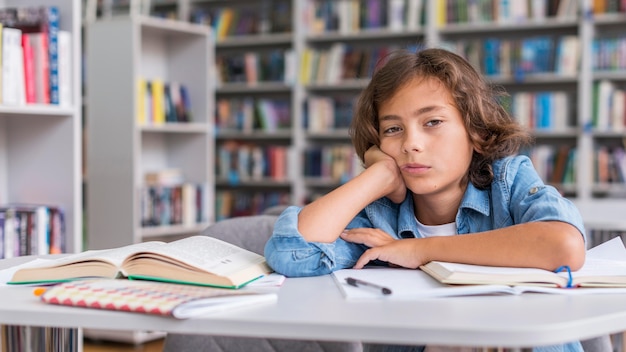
368	285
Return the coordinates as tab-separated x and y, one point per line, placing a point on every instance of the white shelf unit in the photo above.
119	51
40	145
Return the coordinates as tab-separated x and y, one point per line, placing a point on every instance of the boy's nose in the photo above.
412	142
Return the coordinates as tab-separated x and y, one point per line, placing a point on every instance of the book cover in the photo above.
167	299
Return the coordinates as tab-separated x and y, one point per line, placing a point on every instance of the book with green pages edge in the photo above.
196	260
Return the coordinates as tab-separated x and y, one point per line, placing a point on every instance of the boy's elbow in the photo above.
293	257
572	248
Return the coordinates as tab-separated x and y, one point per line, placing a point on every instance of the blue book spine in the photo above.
53	52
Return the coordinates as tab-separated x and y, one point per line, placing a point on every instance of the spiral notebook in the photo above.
166	299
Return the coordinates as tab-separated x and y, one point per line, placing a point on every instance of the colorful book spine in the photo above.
52	16
29	69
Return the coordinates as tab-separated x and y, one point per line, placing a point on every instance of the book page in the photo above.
612	249
601	268
492	270
114	256
209	254
407	284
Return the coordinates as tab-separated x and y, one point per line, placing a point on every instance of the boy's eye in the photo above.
393	129
432	123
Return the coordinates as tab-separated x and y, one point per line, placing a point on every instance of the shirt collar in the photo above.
476	199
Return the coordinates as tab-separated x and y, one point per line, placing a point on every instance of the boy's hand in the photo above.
403	253
383	247
367	236
374	155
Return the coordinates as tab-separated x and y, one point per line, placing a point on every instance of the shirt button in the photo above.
533	190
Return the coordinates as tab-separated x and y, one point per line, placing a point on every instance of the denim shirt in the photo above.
517	195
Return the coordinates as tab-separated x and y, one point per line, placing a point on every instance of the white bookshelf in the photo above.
119	51
40	145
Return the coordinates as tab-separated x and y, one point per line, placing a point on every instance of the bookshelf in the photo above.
123	54
255	96
435	23
323	27
40	145
40	159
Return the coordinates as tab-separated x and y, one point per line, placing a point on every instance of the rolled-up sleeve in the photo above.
532	200
288	253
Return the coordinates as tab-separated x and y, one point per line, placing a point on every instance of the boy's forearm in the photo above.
544	244
324	219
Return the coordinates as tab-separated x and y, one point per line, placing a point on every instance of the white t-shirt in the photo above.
436	230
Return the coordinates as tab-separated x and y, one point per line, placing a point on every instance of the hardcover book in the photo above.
195	260
168	299
598	271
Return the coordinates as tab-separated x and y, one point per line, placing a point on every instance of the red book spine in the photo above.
29	70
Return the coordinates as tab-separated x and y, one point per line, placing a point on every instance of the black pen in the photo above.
364	284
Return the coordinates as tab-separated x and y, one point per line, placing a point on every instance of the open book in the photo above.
609	259
598	271
178	301
198	260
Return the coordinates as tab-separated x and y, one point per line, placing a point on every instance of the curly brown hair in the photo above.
493	132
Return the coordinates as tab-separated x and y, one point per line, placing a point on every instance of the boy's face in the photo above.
421	128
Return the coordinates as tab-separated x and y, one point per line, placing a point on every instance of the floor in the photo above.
102	346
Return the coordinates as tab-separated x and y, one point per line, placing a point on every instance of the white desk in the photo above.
313	308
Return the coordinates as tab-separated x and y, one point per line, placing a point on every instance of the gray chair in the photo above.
251	232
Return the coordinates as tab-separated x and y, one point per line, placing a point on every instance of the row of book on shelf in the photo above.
338	163
168	199
237	162
233	203
609	106
519	57
610	165
543	110
29	229
35	57
252	114
254	67
557	164
352	16
268	16
37	338
493	56
328	113
505	11
341	62
162	102
608	53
